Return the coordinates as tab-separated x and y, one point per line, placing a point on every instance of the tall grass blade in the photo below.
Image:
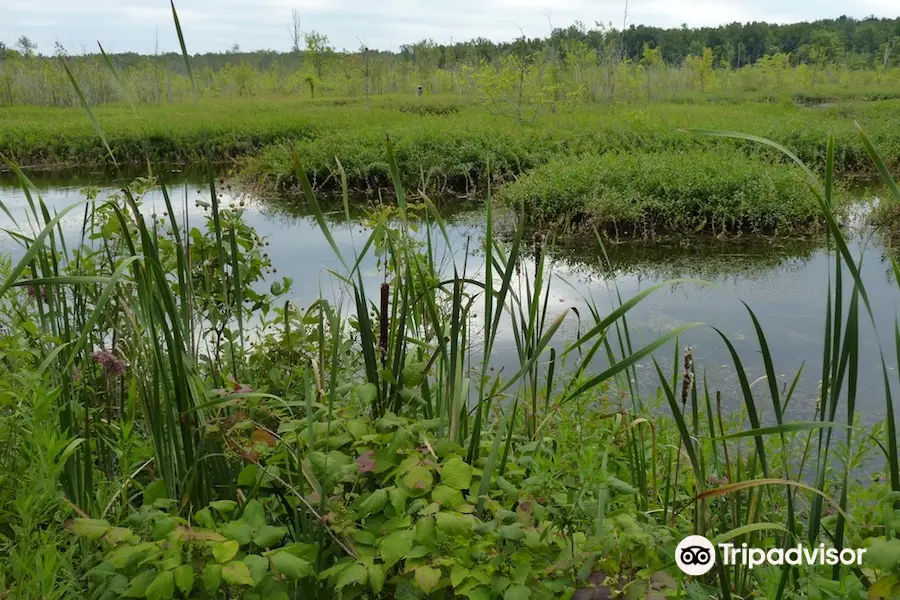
87	109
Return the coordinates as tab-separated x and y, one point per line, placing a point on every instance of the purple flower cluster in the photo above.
110	364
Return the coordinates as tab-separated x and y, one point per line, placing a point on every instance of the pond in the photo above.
783	281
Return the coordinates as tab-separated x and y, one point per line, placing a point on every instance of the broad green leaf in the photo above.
418	481
398	497
367	393
162	587
395	546
225	551
456	474
162	527
258	566
212	578
337	568
307	552
479	593
269	535
117	535
91	529
447	497
287	564
137	587
204	518
427	578
356	573
375	503
884	554
123	555
455	524
239	531
237	573
155	491
224	507
254	514
517	592
513	533
170	559
357	428
458	574
425	531
270	589
363	537
413	374
184	579
249	475
376	578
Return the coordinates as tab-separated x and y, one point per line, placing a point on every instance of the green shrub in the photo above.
224	553
671	191
428	107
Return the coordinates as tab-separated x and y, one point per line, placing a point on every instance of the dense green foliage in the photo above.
454	152
641	193
173	447
173	430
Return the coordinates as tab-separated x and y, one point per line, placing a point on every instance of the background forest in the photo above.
599	64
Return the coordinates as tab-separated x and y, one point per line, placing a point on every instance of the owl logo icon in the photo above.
695	555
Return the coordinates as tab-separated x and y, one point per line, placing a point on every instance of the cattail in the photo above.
687	381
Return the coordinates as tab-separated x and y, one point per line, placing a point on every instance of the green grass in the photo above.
646	193
452	154
60	137
448	139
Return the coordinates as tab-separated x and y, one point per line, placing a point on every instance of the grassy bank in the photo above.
64	137
445	146
644	193
448	140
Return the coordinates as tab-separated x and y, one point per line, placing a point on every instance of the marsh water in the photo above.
783	281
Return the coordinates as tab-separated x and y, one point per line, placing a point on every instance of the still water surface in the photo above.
783	282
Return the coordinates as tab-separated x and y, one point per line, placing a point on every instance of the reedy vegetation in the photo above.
378	455
315	454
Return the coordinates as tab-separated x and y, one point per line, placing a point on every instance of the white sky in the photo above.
214	25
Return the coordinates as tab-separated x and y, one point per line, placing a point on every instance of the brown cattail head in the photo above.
687	381
383	338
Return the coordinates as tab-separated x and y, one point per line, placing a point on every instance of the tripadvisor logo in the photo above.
696	555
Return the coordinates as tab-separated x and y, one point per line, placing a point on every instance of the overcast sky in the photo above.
214	25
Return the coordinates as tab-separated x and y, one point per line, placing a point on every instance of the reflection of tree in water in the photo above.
453	212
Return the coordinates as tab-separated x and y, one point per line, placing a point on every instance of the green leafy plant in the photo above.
227	550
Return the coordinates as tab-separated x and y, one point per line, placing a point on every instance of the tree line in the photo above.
600	63
861	42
